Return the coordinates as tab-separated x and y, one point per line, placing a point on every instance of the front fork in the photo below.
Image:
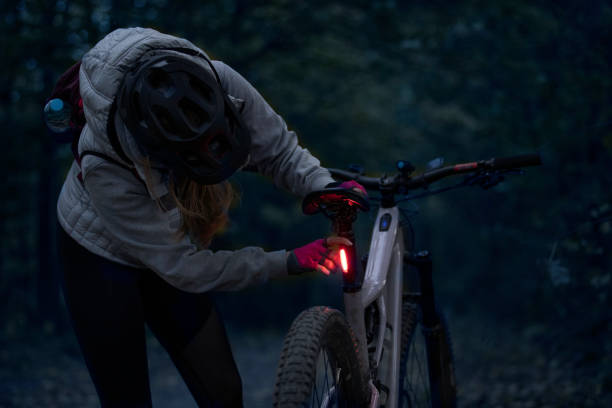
432	328
423	264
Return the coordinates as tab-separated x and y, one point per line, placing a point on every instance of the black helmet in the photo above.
178	113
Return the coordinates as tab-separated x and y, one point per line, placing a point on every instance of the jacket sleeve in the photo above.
274	149
148	236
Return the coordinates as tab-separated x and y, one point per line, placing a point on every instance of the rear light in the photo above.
343	261
351	269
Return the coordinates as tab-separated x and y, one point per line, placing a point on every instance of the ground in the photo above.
496	367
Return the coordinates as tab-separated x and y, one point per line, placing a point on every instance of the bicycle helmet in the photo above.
173	105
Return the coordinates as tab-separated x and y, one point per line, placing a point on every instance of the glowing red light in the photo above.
343	261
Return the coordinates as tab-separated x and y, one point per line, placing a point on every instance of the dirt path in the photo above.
48	371
495	368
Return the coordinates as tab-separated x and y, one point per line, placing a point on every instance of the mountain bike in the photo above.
391	347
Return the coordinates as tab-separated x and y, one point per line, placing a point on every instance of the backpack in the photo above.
67	91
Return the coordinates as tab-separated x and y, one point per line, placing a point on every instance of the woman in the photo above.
165	129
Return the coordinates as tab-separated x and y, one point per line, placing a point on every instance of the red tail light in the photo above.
343	261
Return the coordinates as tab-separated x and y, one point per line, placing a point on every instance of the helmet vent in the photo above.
219	146
161	81
192	159
194	115
202	89
179	114
164	119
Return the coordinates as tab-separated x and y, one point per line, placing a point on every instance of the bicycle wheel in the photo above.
416	387
318	366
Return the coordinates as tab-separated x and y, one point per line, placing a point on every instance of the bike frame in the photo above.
383	285
382	282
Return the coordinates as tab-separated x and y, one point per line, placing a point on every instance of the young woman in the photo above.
166	127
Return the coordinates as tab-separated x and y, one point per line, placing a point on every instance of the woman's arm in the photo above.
149	237
274	149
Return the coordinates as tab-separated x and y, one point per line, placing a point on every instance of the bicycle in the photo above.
373	355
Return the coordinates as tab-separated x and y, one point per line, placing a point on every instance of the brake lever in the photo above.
489	179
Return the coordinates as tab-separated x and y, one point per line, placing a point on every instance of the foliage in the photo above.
365	82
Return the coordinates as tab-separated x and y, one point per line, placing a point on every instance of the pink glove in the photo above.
350	185
353	185
321	255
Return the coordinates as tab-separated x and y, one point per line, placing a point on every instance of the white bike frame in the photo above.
382	284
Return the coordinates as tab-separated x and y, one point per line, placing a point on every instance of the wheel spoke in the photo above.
315	396
423	381
416	386
321	339
325	388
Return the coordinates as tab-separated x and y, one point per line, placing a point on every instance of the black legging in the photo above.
109	304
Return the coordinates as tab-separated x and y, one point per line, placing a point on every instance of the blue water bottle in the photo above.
57	114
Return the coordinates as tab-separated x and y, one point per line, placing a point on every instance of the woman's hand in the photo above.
320	255
355	186
350	185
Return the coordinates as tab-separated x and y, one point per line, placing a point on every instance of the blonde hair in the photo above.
203	208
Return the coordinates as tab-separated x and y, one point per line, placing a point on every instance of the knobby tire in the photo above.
319	343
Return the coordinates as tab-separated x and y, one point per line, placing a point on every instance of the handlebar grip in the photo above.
516	161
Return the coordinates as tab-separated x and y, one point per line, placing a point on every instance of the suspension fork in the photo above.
432	329
423	263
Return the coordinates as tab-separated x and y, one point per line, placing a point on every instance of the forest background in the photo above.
524	267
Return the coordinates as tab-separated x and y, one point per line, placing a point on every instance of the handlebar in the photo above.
513	162
405	182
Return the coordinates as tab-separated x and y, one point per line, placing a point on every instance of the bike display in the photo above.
391	347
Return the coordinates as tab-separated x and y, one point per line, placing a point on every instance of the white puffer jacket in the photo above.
111	212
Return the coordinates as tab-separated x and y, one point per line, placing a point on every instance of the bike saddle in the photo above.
333	200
